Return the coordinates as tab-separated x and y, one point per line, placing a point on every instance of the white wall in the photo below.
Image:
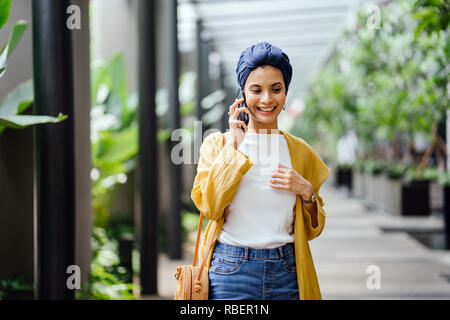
113	30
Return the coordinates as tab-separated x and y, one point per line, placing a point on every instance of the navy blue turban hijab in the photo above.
261	54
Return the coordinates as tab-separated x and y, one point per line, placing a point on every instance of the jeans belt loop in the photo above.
245	254
281	252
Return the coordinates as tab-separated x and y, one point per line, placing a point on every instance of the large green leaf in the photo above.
15	103
14	37
22	121
4	12
115	146
18	100
109	76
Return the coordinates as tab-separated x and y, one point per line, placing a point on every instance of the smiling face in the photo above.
265	95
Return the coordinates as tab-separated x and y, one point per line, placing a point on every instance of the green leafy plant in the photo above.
15	285
114	128
431	173
396	171
375	166
4	12
107	276
114	133
19	100
444	178
16	33
387	84
428	174
432	15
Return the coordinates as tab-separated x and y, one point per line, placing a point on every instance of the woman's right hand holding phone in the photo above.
237	135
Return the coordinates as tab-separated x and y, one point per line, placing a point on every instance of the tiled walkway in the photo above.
353	250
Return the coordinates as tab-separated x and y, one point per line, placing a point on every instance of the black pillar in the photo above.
174	231
148	146
202	66
54	145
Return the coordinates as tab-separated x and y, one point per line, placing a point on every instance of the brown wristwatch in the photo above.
312	200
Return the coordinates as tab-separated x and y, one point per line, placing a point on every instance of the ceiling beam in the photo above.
219	33
256	21
264	12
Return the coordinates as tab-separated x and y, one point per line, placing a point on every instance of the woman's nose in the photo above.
266	97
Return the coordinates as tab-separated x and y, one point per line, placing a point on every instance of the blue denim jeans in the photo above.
238	273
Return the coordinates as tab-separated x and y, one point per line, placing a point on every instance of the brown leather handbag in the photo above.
192	282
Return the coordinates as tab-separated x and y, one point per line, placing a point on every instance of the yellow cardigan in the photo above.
219	172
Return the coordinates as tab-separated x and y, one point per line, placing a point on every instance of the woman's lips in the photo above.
266	112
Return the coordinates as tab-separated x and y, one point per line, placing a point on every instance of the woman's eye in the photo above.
258	91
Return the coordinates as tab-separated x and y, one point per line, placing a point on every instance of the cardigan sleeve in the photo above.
318	173
219	173
312	232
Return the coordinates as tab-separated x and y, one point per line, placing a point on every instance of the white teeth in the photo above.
267	109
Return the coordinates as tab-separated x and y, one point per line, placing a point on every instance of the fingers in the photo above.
278	186
281	171
237	124
279	181
278	174
282	168
239	110
234	105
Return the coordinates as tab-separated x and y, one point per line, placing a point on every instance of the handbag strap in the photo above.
199	231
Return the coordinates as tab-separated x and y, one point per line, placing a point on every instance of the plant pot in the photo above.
368	189
344	177
339	177
393	195
447	215
436	197
358	182
415	198
347	178
377	196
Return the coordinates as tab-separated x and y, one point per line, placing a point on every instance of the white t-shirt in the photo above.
259	215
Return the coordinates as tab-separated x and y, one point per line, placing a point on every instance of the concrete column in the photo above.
83	165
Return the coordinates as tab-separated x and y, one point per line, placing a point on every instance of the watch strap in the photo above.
311	200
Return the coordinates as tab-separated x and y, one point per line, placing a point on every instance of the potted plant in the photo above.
394	174
344	175
415	194
374	181
358	183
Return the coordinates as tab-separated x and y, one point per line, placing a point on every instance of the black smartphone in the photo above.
243	116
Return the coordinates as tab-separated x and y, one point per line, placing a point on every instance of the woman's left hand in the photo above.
284	178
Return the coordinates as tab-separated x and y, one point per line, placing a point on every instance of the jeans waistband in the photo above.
252	253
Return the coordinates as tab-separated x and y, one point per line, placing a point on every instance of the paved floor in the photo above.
356	259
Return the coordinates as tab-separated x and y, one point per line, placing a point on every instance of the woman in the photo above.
265	208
